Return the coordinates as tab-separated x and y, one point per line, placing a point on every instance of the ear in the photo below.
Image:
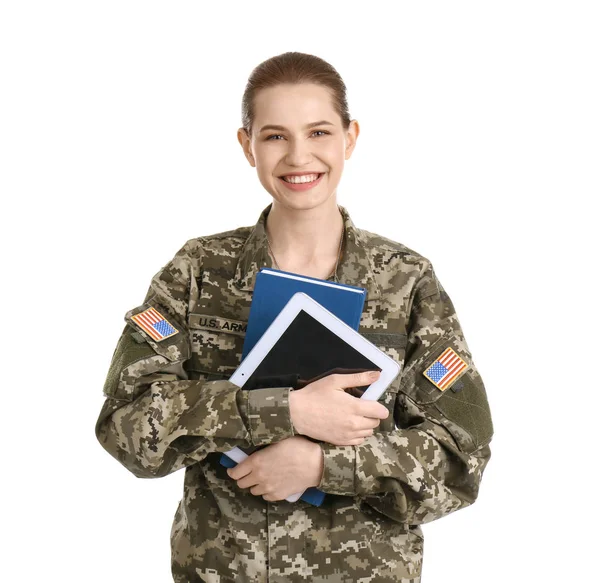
245	142
351	137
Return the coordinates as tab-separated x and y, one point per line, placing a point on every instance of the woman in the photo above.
386	467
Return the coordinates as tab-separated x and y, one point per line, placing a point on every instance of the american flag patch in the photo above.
446	369
154	324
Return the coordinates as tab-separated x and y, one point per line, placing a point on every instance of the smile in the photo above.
301	179
303	182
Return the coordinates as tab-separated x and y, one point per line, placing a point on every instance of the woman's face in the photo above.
296	146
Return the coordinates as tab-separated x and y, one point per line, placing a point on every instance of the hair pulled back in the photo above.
293	67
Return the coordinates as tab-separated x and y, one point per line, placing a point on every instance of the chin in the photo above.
302	201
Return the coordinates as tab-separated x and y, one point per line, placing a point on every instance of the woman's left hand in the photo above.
281	469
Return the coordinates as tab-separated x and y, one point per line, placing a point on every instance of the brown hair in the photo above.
293	67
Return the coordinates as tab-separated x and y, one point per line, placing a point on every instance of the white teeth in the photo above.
301	179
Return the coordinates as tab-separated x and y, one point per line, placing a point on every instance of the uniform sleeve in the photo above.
432	462
154	419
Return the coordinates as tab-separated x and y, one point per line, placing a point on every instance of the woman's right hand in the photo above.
324	411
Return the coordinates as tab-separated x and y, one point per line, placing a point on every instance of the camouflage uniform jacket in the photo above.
169	405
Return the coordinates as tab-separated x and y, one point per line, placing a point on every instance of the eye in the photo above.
272	136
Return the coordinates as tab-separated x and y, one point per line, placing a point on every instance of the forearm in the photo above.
177	422
407	474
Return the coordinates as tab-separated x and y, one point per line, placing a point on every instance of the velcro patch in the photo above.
153	323
446	369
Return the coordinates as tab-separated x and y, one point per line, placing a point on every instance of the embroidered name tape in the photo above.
446	369
154	324
217	324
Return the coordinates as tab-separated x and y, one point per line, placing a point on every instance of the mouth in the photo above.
300	183
301	178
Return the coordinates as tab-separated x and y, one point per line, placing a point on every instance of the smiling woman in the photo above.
386	467
315	136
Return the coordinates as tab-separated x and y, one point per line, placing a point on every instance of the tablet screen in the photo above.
309	349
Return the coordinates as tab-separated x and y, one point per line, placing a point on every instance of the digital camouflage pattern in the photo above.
169	405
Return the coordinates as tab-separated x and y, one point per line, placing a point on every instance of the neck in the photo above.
305	237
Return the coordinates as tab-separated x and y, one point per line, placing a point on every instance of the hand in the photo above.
324	411
281	469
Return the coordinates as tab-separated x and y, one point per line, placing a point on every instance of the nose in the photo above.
298	153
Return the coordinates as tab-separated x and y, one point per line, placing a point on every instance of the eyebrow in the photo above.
307	126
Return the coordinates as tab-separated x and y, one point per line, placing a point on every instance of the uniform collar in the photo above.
355	267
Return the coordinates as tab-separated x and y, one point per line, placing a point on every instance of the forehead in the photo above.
294	105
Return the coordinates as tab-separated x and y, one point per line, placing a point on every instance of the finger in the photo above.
364	423
354	441
373	422
372	409
247	482
355	392
358	379
366	433
258	490
239	471
359	441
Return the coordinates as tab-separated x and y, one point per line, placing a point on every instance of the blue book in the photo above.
273	289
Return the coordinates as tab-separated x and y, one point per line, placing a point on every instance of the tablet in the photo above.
308	339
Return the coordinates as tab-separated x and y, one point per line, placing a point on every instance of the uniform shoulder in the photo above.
189	259
233	238
378	244
195	251
237	233
386	252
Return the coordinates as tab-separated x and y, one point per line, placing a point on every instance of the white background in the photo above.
479	148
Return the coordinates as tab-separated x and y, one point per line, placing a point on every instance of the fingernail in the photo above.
374	374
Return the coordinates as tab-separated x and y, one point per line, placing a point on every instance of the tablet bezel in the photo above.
301	301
